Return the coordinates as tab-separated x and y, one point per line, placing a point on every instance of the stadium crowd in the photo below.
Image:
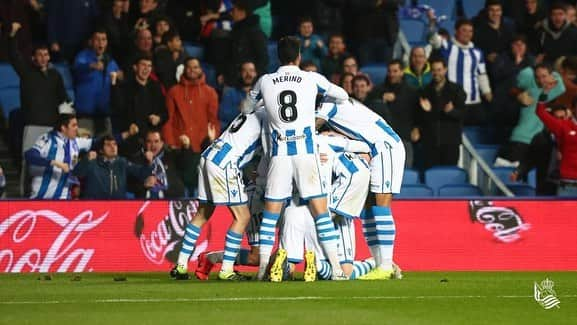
144	109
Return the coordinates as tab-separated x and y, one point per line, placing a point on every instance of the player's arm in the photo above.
328	89
340	143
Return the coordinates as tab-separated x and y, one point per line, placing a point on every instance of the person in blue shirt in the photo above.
312	46
93	70
232	96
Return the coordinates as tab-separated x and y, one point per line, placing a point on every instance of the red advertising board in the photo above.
131	236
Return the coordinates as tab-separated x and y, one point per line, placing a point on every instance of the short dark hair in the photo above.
307	64
305	19
154	130
63	120
519	38
361	77
288	49
190	58
438	60
344	75
463	21
107	137
489	3
141	57
396	61
545	66
337	35
39	46
558	6
245	5
98	30
169	36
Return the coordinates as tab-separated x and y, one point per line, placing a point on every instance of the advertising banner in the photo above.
145	236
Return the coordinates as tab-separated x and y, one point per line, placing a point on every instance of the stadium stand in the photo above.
436	177
522	190
9	100
414	31
66	74
376	71
411	176
488	152
458	190
442	7
472	7
194	50
9	77
415	190
273	62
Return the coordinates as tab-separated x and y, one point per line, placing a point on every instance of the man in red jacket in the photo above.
565	132
192	108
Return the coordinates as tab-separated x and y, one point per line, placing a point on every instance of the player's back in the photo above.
289	95
238	142
358	122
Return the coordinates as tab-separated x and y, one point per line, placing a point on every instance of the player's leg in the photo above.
310	186
346	247
360	268
386	177
292	239
278	190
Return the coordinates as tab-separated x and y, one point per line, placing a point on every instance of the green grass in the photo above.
420	298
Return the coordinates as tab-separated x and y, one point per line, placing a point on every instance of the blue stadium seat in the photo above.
522	190
436	177
415	190
70	93
8	77
411	176
9	100
449	25
442	7
460	190
273	62
414	31
471	8
488	152
377	72
66	74
194	50
503	173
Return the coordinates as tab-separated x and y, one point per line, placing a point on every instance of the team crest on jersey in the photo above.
505	223
234	192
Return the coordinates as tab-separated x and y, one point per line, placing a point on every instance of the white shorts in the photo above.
220	186
387	168
350	190
303	170
346	245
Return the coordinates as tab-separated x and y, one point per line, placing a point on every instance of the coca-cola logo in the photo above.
165	239
505	223
61	255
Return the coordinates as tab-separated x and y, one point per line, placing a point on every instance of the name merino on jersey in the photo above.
239	142
289	96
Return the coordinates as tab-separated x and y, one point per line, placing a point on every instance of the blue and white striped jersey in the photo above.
359	122
49	182
239	142
289	96
465	65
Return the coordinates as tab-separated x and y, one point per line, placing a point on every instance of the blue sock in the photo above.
191	234
242	258
267	233
361	268
370	232
385	232
324	270
328	236
231	248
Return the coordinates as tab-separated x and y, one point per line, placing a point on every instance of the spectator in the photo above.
53	156
376	28
544	156
162	25
466	67
532	82
328	16
118	29
571	14
493	32
69	24
143	46
262	10
233	96
248	42
312	46
138	100
104	175
557	37
145	14
418	72
441	117
361	88
192	108
401	105
568	71
528	20
346	82
309	66
93	69
186	17
41	89
564	132
331	63
174	170
504	79
167	57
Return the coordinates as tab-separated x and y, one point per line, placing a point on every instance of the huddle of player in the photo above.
280	118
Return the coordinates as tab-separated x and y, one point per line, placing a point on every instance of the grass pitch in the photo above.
420	298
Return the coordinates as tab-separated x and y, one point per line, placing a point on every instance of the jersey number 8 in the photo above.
288	111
